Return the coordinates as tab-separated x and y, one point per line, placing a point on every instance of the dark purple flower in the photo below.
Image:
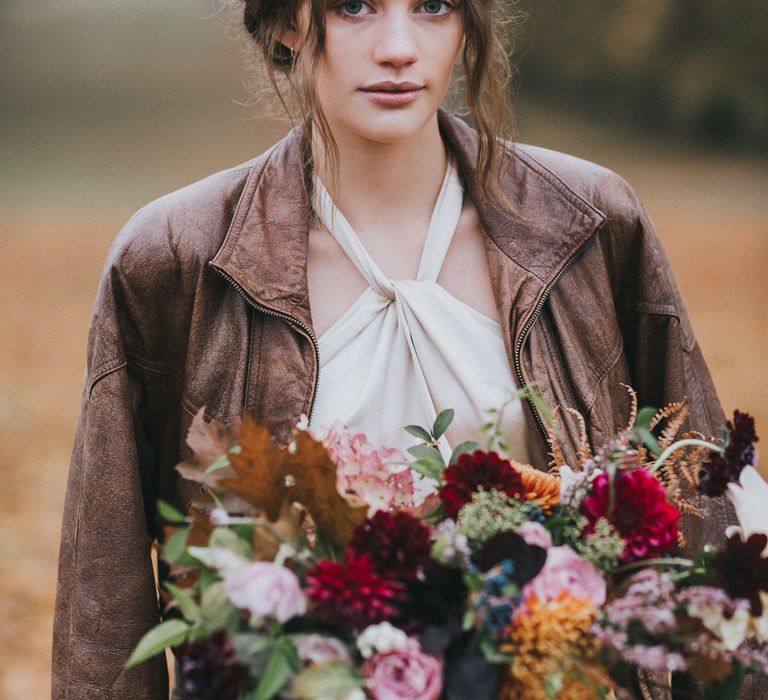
741	570
209	669
721	469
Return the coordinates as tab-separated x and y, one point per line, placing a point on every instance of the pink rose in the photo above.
266	589
566	571
404	674
535	534
319	649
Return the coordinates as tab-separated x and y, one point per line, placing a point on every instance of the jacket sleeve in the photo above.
666	365
107	598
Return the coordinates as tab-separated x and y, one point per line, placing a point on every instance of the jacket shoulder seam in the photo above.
556	181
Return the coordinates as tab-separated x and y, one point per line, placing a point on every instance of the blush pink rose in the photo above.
266	589
535	534
404	674
319	649
566	571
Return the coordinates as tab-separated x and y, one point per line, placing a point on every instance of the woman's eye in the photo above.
355	9
436	7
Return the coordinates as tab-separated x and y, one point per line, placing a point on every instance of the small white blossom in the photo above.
377	639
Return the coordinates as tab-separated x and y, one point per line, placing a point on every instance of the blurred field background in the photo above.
105	105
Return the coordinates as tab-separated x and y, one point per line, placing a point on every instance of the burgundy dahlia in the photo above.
721	469
352	595
396	543
641	514
472	471
741	570
209	669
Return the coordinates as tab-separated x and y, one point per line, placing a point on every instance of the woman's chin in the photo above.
387	125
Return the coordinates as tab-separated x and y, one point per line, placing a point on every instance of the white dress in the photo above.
407	349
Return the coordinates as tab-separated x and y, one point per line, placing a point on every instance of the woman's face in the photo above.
386	65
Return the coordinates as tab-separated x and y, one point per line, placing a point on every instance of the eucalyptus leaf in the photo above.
442	422
189	608
463	448
170	633
419	432
175	545
428	469
169	513
427	453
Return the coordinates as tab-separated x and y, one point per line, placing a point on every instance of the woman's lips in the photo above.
392	97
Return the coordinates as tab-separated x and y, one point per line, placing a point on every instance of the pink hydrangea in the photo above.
404	674
266	589
566	572
369	473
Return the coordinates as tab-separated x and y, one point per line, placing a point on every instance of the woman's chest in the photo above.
335	281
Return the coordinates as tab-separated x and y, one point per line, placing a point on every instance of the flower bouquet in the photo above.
314	571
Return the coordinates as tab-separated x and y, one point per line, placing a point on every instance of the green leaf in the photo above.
419	432
215	607
170	633
541	407
170	514
463	448
428	469
644	416
175	546
647	438
189	608
276	675
427	453
229	539
220	463
327	546
334	680
442	422
728	689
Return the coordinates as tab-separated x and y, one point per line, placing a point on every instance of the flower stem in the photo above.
683	443
660	561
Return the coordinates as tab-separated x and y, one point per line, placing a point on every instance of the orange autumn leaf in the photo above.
314	475
261	469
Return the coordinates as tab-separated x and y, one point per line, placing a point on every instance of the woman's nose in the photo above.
395	40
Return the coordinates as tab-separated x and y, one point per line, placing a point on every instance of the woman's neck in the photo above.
382	186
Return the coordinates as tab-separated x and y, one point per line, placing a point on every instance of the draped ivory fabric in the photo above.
407	349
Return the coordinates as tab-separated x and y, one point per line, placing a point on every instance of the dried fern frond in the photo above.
675	415
557	456
633	406
585	451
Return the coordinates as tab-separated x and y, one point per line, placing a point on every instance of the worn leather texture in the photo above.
203	303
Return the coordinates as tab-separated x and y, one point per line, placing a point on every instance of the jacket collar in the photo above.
265	249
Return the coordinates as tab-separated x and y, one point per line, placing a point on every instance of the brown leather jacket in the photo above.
204	302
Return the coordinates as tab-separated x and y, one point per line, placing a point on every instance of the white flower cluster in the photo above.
451	547
378	639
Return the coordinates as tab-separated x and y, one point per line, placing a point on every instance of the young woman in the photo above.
382	262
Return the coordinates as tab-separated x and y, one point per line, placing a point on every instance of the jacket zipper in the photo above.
533	318
305	330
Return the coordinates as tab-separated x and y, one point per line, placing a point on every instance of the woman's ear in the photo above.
287	37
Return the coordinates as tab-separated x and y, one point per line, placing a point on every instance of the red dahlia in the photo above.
352	595
472	471
641	514
396	543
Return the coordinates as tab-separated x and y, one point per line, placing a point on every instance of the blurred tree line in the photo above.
697	67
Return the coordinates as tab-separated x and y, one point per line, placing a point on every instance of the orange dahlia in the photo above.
546	639
539	486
